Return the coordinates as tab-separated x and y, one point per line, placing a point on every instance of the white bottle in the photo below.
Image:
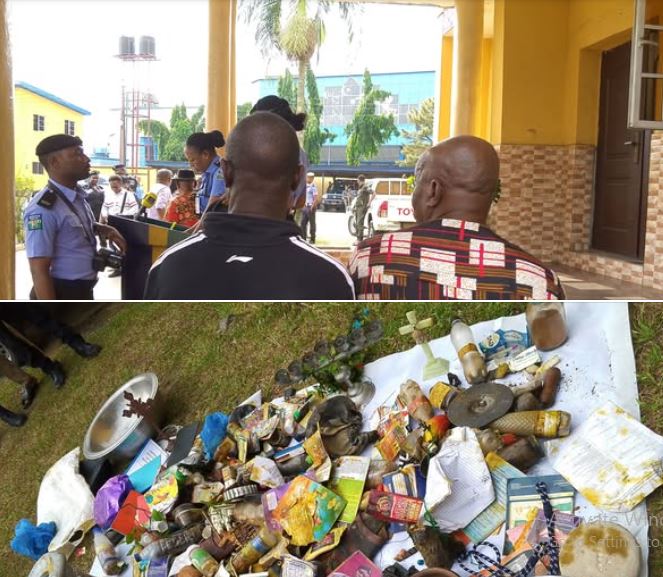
472	360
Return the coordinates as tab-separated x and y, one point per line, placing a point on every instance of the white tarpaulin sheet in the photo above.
597	365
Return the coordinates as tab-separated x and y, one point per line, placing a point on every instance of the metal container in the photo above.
116	437
188	513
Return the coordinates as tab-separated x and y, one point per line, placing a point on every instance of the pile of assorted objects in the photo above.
303	485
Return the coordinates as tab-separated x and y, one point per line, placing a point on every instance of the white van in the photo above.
390	210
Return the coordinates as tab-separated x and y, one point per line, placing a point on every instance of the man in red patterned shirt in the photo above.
450	253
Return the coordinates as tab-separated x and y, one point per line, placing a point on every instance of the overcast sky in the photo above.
68	47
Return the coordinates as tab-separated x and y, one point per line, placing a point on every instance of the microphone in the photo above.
148	201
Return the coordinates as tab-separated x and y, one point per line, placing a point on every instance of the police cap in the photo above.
57	142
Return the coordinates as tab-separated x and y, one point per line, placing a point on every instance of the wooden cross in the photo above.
434	366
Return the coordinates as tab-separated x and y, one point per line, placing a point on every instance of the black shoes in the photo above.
28	393
84	349
56	374
12	419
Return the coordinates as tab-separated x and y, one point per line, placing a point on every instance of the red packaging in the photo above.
390	507
509	439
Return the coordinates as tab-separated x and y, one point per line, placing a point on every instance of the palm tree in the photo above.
295	28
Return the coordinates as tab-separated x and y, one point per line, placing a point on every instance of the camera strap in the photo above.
86	229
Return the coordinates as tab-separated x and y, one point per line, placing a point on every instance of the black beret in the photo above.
57	142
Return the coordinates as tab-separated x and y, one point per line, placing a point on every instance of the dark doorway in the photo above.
620	201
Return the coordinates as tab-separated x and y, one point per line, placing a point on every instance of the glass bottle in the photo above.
547	325
472	360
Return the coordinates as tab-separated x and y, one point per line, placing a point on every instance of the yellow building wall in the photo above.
546	67
594	27
26	104
532	40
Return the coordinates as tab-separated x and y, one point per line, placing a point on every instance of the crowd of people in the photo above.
251	217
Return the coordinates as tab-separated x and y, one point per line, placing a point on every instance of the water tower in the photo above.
137	99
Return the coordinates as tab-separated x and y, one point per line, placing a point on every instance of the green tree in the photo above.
24	187
243	110
295	28
198	120
158	131
369	130
172	139
286	89
314	136
421	138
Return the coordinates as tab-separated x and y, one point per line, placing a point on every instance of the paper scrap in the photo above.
348	481
495	515
459	485
612	459
134	513
147	454
143	478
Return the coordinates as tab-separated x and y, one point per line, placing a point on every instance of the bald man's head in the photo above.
457	178
261	165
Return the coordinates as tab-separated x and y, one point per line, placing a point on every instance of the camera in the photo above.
107	257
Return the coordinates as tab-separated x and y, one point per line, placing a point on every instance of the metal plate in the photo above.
480	405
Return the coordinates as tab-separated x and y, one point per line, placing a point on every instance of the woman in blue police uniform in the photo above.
200	151
59	225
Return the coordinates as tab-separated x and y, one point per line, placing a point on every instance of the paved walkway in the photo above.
107	289
580	285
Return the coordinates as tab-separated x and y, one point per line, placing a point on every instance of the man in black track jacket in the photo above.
252	252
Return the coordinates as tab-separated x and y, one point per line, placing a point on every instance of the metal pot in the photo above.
118	438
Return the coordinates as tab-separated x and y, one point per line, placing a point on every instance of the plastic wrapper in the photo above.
265	472
392	507
163	494
308	511
65	498
109	499
32	541
213	432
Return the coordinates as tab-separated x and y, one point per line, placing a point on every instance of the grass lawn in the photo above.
201	370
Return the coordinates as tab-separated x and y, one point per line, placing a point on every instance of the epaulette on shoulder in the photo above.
48	199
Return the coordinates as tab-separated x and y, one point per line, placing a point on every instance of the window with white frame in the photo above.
38	122
69	127
646	80
37	168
